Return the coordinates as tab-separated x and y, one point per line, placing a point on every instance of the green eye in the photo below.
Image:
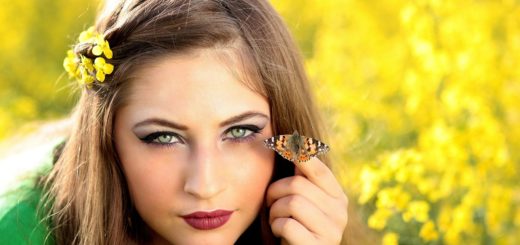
164	139
242	132
238	132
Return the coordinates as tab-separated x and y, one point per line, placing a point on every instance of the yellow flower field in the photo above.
421	100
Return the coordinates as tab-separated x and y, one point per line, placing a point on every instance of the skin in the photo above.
206	162
204	169
308	208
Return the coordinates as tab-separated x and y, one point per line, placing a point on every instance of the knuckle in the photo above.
344	198
269	193
271	214
343	224
271	189
296	183
275	211
293	203
343	215
281	226
275	206
344	202
334	237
285	226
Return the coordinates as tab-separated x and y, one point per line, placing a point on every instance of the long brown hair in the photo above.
87	194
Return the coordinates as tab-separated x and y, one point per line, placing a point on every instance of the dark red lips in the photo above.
208	220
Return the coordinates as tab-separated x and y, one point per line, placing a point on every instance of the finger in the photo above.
297	171
305	212
319	174
291	230
336	209
299	185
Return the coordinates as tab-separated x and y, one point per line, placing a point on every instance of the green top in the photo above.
20	212
21	223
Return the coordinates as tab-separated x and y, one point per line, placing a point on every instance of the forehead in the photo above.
203	82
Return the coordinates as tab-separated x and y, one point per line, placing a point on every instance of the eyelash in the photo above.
253	128
149	139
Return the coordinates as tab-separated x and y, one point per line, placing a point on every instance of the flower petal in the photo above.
99	62
97	50
108	52
100	76
85	36
108	68
87	79
71	54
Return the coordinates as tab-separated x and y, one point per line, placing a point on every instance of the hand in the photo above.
308	208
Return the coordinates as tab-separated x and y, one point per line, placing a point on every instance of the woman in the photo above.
177	98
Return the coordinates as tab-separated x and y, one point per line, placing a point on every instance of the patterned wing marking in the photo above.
311	148
279	144
308	149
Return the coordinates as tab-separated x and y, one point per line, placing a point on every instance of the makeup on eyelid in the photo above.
251	132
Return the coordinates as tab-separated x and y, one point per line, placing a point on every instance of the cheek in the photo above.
251	170
152	179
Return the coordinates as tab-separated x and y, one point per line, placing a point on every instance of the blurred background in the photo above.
421	99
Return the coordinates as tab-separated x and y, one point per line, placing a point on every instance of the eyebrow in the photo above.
160	122
242	117
170	124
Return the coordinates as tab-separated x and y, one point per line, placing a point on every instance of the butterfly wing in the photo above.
311	148
280	144
308	147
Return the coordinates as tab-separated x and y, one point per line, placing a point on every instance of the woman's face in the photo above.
190	144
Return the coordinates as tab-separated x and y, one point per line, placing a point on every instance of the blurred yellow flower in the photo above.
378	219
88	35
392	198
390	238
417	210
428	232
370	184
70	63
447	164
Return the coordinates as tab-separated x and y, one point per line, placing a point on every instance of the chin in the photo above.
205	237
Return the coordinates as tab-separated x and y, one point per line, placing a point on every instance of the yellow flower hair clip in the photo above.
88	70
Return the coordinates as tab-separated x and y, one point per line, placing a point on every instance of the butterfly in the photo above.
295	147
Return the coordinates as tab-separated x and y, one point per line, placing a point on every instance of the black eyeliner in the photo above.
255	130
150	137
251	127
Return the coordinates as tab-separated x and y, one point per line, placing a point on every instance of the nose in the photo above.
205	177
